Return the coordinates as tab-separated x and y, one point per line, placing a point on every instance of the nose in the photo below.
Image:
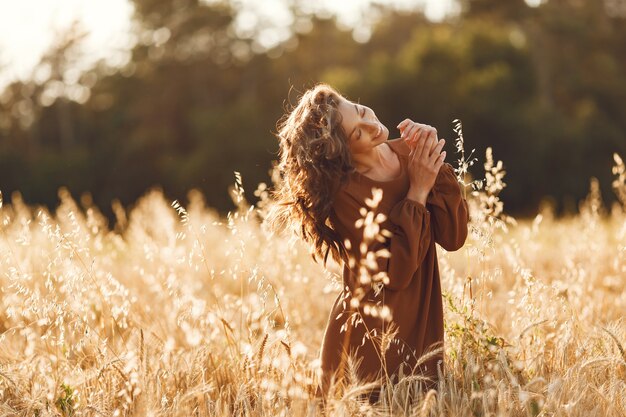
371	126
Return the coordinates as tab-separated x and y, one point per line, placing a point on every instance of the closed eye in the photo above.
362	114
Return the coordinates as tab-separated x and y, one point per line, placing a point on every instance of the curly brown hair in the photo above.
314	162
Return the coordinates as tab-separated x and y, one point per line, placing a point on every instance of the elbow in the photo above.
454	241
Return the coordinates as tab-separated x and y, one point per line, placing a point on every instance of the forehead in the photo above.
348	113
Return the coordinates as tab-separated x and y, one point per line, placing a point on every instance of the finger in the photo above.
430	141
436	165
421	134
412	140
440	159
437	149
406	128
430	131
404	123
412	154
420	149
409	131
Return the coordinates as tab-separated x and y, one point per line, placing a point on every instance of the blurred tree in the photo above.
198	99
499	10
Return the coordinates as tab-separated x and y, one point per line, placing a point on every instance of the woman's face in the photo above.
362	127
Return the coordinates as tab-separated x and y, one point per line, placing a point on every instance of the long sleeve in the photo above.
412	293
450	214
409	223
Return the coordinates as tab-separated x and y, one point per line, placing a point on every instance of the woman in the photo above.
332	153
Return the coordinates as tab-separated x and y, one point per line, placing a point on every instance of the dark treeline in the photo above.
543	86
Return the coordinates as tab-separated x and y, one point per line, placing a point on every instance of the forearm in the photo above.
450	214
409	224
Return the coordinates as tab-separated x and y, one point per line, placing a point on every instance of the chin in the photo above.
384	135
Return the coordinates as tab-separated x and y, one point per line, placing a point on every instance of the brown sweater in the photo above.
413	293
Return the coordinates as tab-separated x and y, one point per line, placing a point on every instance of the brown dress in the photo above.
413	292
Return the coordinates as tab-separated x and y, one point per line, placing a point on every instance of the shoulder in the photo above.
351	195
348	194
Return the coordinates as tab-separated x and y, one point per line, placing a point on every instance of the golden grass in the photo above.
178	312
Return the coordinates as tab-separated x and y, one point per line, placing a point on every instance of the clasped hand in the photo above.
425	159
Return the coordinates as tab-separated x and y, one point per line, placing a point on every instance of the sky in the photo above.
28	27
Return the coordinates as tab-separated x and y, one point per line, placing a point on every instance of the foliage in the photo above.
65	402
179	311
196	99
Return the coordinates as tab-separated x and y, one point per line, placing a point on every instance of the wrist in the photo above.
417	195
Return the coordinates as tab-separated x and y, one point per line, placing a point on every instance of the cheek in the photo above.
354	145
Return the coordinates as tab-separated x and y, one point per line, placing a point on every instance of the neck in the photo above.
366	161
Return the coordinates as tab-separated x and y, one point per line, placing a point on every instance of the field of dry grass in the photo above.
178	312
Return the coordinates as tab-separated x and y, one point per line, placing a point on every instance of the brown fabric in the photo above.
414	292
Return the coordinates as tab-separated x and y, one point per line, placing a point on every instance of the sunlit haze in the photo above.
28	27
